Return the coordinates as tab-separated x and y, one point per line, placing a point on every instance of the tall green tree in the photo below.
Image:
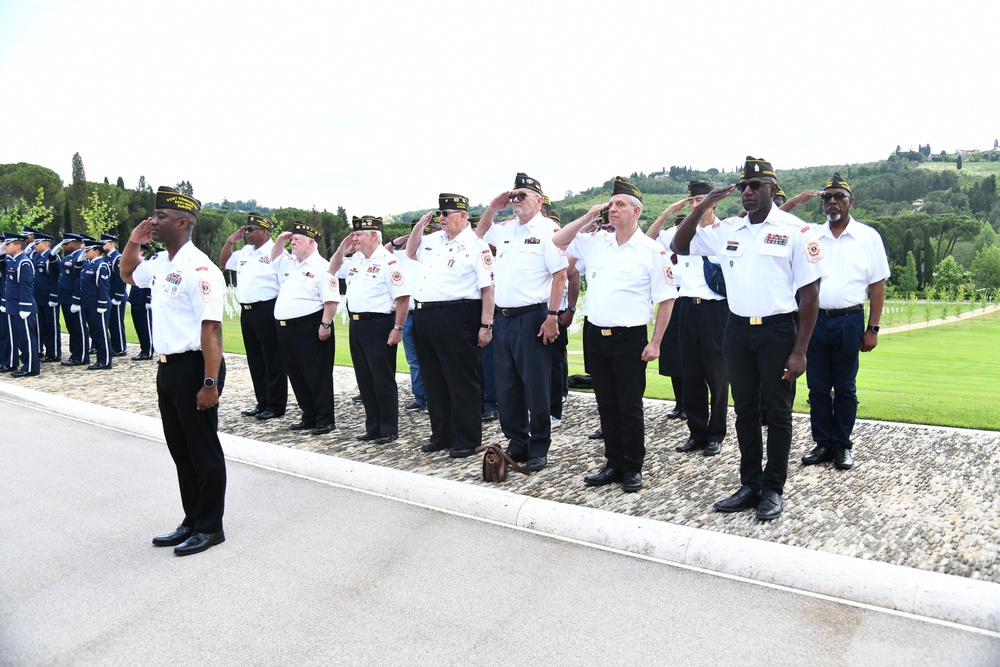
79	193
986	267
98	215
948	274
907	280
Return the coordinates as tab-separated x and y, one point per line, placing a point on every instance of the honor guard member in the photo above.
19	302
530	278
765	256
69	283
627	272
257	290
188	298
452	321
46	263
94	295
856	263
378	297
304	311
6	342
702	314
116	311
141	305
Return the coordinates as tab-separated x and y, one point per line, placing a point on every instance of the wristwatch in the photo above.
873	327
210	382
486	326
396	327
326	325
554	312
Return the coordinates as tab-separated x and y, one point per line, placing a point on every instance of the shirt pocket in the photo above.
774	250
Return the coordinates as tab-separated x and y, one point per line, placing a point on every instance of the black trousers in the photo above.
560	371
756	358
264	358
97	323
77	330
142	320
703	367
116	327
619	376
49	340
446	338
309	364
524	382
193	439
375	370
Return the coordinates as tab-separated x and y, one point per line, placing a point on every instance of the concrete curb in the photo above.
930	594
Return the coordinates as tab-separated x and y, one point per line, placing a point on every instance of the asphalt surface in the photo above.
313	573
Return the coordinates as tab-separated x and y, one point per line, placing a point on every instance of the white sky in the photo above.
379	105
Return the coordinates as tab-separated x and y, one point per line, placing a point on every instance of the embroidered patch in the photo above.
814	252
488	259
397	278
333	282
732	245
173	278
373	270
206	290
532	241
391	262
264	259
309	274
776	239
804	229
201	268
669	274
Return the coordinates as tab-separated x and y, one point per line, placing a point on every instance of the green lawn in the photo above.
942	375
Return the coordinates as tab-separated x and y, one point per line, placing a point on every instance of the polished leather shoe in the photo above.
143	357
174	538
744	499
47	360
631	481
72	362
431	446
489	415
385	439
251	412
770	506
356	399
461	453
842	458
690	446
819	454
269	414
5	369
301	426
536	464
596	435
365	437
98	367
198	542
22	374
607	475
118	354
712	448
677	413
520	457
413	406
321	429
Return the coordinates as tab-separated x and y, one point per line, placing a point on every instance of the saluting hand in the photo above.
501	201
283	236
237	235
143	232
718	194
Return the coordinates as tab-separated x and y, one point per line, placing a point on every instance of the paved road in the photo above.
315	574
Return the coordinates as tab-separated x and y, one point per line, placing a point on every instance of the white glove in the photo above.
74	309
57	247
116	302
149	306
24	315
102	310
52	304
3	309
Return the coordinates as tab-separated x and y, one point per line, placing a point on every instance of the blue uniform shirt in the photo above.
19	290
95	283
69	277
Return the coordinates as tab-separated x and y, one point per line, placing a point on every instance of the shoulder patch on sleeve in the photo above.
804	229
814	252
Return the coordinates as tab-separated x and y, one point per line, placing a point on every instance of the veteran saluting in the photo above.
187	299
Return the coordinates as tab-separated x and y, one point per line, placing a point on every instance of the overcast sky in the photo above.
379	105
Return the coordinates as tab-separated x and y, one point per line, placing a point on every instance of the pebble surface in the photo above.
920	496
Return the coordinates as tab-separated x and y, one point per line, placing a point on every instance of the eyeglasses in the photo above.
753	185
839	196
443	214
517	196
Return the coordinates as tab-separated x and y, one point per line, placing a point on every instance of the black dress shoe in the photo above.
596	435
607	475
712	448
174	538
412	406
536	464
677	413
301	426
356	399
251	412
98	367
365	437
198	542
48	360
142	357
5	369
842	458
489	415
461	453
520	457
744	499
385	439
269	414
431	446
72	362
690	446
321	429
118	354
770	506
21	374
631	481
819	454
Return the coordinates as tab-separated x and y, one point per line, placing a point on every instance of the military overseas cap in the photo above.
306	230
522	180
546	200
167	197
109	237
366	223
451	202
778	192
754	168
474	220
554	215
679	218
260	221
623	187
696	188
837	182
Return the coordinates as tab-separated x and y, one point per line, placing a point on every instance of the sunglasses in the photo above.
443	214
519	196
753	185
839	196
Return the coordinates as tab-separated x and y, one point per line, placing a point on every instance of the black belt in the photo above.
514	312
834	312
424	305
310	318
180	356
617	331
256	304
697	300
368	316
770	319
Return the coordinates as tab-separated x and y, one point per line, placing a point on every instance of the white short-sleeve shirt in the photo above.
255	277
305	286
453	269
373	283
689	271
853	262
526	259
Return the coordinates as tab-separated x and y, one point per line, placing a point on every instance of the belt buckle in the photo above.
247	306
419	305
606	332
282	323
756	321
355	317
697	300
163	358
